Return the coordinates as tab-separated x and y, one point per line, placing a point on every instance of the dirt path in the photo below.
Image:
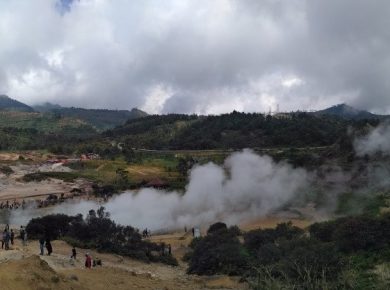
58	271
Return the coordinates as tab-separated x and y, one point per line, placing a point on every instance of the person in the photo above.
49	248
12	237
193	232
169	249
88	261
42	245
3	239
6	241
23	235
25	238
162	247
73	253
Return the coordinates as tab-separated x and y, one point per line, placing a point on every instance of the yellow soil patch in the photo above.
272	222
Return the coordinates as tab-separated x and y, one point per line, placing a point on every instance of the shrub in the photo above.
220	252
253	240
216	227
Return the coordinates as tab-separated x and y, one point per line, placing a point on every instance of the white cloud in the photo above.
206	54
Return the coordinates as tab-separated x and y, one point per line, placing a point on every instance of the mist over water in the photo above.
245	187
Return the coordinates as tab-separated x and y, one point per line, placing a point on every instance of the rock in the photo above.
73	277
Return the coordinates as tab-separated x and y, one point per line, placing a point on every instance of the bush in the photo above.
216	227
40	176
53	226
220	252
255	239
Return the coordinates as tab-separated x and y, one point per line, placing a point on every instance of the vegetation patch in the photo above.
98	231
340	254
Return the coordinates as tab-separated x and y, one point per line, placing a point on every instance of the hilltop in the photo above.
347	112
8	104
35	117
101	119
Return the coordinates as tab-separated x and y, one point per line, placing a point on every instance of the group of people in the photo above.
146	233
89	262
166	250
8	237
45	242
50	200
12	205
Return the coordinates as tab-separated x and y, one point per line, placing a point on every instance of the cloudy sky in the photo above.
202	56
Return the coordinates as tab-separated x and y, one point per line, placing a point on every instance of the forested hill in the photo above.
232	131
101	119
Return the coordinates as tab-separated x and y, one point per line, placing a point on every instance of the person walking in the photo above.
74	253
42	245
49	248
6	241
3	237
88	261
25	238
23	235
12	237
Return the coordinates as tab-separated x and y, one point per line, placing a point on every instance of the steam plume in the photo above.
247	186
378	140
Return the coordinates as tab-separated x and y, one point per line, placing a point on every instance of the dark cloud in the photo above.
197	56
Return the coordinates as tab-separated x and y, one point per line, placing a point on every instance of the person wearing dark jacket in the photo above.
12	237
49	248
74	253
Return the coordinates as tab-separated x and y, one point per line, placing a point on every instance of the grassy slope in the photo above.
41	122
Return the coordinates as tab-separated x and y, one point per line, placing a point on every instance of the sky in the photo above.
197	56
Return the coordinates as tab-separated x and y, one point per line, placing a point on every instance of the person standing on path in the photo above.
49	248
88	261
3	240
23	235
74	253
12	237
6	241
42	245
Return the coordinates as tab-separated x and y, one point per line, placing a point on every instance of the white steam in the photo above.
247	186
378	140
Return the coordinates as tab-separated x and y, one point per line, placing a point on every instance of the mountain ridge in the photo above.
100	119
346	111
9	104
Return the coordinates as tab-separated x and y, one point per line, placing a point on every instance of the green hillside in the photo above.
230	131
101	119
46	123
